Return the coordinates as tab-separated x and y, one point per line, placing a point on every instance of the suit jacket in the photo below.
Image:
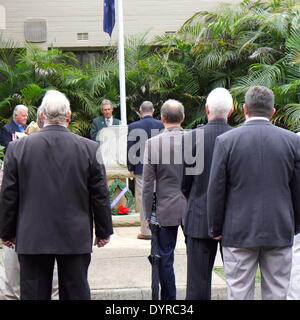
253	194
53	190
6	133
194	187
98	124
170	202
147	124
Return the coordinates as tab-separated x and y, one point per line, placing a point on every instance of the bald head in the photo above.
172	112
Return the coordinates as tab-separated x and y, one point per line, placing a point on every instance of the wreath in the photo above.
118	184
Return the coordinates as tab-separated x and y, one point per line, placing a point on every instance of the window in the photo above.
82	36
35	30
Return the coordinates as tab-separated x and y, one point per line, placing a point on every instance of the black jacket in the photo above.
147	124
6	133
194	187
53	190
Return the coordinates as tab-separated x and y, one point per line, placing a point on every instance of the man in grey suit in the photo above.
201	249
163	166
253	200
53	191
104	121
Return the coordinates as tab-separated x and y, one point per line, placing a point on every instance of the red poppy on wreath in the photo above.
123	210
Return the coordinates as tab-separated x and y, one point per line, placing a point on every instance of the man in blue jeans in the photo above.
163	167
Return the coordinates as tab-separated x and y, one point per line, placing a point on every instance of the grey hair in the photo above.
147	107
105	102
55	106
38	117
173	111
18	108
259	101
219	102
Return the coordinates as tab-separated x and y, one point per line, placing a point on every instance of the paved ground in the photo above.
121	270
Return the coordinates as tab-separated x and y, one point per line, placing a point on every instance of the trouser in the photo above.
138	185
240	266
201	254
36	273
10	276
167	237
294	287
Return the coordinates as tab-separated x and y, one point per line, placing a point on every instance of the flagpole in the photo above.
121	56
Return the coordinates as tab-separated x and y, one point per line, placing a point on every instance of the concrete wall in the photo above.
66	18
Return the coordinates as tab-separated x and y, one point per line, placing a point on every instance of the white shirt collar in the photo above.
257	118
110	121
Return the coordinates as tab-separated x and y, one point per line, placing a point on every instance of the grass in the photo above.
220	272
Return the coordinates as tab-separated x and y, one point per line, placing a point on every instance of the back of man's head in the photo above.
172	111
259	101
147	107
219	102
39	121
55	107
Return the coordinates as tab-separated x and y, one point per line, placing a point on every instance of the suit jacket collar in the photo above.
54	127
217	121
258	122
146	117
173	129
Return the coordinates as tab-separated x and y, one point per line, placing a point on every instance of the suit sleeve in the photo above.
216	193
130	143
187	179
99	197
5	137
149	177
295	188
9	197
94	130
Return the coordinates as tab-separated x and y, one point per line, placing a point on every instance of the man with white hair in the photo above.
201	249
107	120
18	124
64	192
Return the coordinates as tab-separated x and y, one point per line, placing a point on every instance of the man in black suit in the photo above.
18	124
54	189
253	200
201	249
138	132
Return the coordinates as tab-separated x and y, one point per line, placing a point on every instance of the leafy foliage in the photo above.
235	46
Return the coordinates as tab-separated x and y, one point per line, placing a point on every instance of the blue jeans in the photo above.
167	237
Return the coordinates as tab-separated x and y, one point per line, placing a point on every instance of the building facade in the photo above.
78	24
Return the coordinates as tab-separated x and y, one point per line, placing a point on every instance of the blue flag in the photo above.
109	16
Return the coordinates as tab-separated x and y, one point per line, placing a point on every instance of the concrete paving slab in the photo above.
122	269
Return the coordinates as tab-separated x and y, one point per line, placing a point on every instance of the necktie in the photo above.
108	122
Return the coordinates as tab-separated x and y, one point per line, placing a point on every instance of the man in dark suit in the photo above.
163	165
18	124
54	189
253	200
104	121
201	249
138	132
